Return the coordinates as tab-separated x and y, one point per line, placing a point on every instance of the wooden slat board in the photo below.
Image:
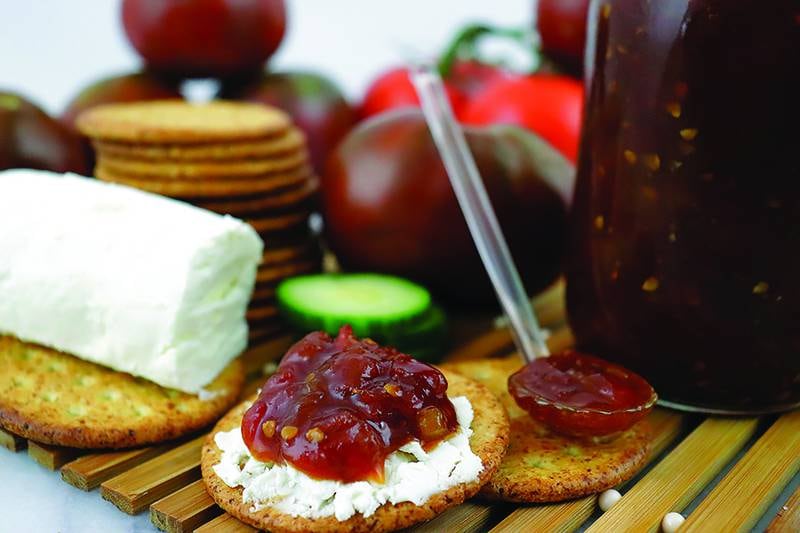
788	517
89	471
184	510
12	442
133	491
225	524
679	477
51	457
688	454
749	488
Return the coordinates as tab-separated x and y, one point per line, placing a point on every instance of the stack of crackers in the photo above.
246	160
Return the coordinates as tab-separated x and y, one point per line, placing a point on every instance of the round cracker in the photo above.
260	314
177	121
279	223
304	194
275	273
202	170
209	188
489	439
263	291
541	466
260	334
55	398
280	144
278	255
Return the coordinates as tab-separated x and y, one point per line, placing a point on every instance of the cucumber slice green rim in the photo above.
371	303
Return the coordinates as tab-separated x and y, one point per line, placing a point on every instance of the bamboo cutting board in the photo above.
727	474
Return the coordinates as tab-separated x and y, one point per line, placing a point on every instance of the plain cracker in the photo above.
489	440
268	146
202	170
209	188
303	195
176	121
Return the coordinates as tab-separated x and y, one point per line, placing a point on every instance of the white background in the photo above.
50	49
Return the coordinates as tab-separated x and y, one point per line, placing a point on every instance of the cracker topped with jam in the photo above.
351	436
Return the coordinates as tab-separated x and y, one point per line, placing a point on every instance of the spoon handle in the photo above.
478	212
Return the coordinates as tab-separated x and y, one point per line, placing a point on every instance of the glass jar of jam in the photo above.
685	261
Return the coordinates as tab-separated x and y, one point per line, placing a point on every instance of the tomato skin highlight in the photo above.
549	105
393	90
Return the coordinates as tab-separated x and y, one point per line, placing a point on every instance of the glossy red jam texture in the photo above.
686	256
336	408
580	395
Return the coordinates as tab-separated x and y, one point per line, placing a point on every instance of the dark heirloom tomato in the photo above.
389	207
204	37
336	408
562	27
29	138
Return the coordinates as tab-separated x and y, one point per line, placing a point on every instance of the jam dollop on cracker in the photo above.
337	408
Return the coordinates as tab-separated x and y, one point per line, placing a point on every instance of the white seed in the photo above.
671	522
607	499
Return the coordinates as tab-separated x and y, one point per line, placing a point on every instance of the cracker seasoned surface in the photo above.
274	145
55	398
302	195
541	466
176	121
489	440
195	188
203	170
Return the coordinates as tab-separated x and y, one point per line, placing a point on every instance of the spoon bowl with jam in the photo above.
581	395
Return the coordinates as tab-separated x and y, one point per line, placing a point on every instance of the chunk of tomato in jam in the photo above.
337	408
581	395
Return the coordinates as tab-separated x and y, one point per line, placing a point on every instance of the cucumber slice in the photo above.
391	310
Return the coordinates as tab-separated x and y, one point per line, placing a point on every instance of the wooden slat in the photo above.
256	357
680	477
549	307
89	471
12	442
134	490
469	517
745	493
184	510
225	524
788	518
568	516
51	457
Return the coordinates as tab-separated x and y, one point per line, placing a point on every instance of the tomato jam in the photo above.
337	408
685	262
581	395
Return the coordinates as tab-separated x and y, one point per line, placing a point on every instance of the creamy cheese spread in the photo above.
130	280
410	475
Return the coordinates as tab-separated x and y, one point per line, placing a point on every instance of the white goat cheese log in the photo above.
130	280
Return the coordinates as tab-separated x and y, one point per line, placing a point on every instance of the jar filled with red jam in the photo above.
686	245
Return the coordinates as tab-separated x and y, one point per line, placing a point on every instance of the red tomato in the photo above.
393	90
549	105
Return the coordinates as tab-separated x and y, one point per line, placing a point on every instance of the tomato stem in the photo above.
464	45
